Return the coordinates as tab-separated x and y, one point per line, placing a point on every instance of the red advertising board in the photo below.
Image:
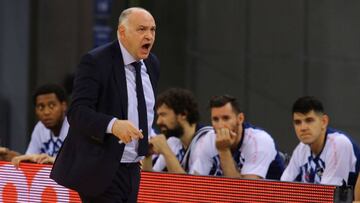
31	183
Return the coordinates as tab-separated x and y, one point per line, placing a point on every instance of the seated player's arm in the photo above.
44	159
228	165
250	176
7	154
147	162
26	157
35	158
160	146
223	143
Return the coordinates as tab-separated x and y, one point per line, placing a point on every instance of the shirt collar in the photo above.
128	59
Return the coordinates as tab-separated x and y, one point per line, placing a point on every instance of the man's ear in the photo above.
121	31
64	106
182	116
325	121
241	117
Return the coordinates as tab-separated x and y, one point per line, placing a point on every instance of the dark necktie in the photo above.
142	113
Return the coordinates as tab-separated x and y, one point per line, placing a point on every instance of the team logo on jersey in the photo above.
216	168
313	170
240	160
51	147
181	154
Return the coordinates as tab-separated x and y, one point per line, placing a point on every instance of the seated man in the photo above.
324	155
177	118
236	148
52	128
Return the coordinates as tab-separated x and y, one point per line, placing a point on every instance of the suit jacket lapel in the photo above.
120	77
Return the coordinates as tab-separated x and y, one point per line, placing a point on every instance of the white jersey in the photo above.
185	157
44	141
256	155
337	160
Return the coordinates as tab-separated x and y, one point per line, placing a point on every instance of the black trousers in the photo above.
124	187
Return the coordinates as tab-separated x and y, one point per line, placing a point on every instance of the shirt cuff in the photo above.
110	125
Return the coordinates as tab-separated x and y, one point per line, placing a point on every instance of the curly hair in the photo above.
181	101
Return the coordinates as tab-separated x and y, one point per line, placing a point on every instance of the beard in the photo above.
177	132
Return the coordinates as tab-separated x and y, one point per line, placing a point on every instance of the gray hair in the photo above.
123	18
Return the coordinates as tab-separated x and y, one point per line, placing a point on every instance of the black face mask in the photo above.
177	132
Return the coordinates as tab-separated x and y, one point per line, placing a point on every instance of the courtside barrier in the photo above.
31	183
162	187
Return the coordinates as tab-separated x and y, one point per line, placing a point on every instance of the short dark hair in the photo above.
48	89
306	104
181	101
219	101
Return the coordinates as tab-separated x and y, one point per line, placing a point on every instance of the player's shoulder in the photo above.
206	143
201	132
208	136
301	148
40	128
39	125
257	133
338	137
203	129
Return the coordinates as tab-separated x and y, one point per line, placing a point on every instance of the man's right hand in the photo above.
159	144
224	139
126	131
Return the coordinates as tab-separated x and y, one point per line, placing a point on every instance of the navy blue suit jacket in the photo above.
89	157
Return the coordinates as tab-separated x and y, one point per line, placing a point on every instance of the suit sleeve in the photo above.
82	114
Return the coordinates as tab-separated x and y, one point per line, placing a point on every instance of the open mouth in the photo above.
146	46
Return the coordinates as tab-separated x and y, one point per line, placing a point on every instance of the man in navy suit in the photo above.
107	138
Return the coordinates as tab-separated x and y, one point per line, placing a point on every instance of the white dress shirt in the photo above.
130	152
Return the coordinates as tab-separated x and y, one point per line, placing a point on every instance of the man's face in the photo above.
168	122
310	126
138	34
225	117
49	110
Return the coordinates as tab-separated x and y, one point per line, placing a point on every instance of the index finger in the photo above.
141	135
136	134
15	161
